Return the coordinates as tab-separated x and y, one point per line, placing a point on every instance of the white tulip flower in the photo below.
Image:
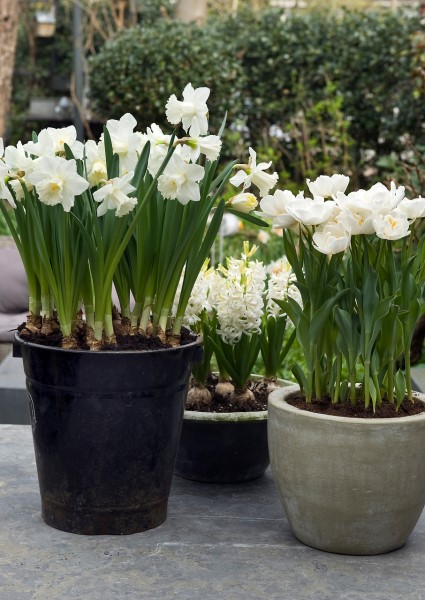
356	212
392	226
254	174
180	181
383	200
312	212
56	181
326	186
114	196
192	112
332	238
244	202
275	207
413	209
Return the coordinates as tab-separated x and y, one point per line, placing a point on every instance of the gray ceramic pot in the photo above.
350	486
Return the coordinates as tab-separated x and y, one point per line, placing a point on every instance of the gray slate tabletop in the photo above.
229	542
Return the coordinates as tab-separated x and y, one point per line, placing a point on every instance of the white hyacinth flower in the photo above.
238	298
192	111
280	286
244	202
392	226
255	174
56	181
327	186
180	181
125	141
114	196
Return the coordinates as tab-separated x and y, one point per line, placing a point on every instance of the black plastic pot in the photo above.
223	447
106	427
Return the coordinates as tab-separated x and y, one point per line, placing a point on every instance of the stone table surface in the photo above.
221	542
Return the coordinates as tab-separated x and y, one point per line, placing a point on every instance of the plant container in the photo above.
106	427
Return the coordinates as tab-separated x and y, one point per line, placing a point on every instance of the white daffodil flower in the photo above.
392	226
327	186
125	141
1	147
66	135
95	163
180	181
56	181
159	147
19	166
244	202
5	193
192	112
413	209
210	145
275	207
332	238
44	146
254	174
309	211
114	196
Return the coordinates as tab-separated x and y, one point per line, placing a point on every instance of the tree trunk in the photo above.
191	10
9	20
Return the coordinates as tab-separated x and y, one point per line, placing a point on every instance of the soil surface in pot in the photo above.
124	342
224	403
385	410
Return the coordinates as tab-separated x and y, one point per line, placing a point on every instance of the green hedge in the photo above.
138	70
332	85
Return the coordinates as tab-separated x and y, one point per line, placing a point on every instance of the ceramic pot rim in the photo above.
279	402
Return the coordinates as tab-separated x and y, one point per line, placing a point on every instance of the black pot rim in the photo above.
18	340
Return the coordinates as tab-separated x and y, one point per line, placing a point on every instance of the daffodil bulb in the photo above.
192	111
56	181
